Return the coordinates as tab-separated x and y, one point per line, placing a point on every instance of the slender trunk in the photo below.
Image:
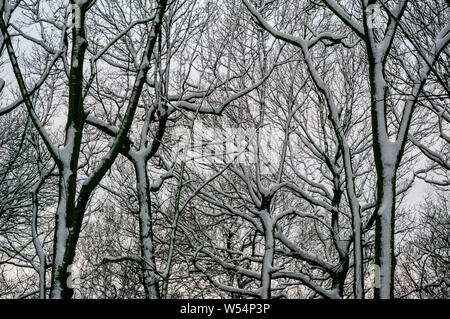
341	273
38	246
358	279
358	274
149	276
173	235
269	251
358	282
384	236
59	285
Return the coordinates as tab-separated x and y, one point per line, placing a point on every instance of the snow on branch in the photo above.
25	94
345	17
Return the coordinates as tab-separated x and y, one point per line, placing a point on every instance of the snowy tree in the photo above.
425	262
389	137
72	202
228	149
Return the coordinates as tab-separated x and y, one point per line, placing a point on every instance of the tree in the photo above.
425	264
388	142
71	208
242	148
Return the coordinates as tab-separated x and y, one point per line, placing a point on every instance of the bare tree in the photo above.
425	263
71	207
388	143
241	148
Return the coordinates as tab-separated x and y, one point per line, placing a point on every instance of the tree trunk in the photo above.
269	250
63	252
384	236
149	276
